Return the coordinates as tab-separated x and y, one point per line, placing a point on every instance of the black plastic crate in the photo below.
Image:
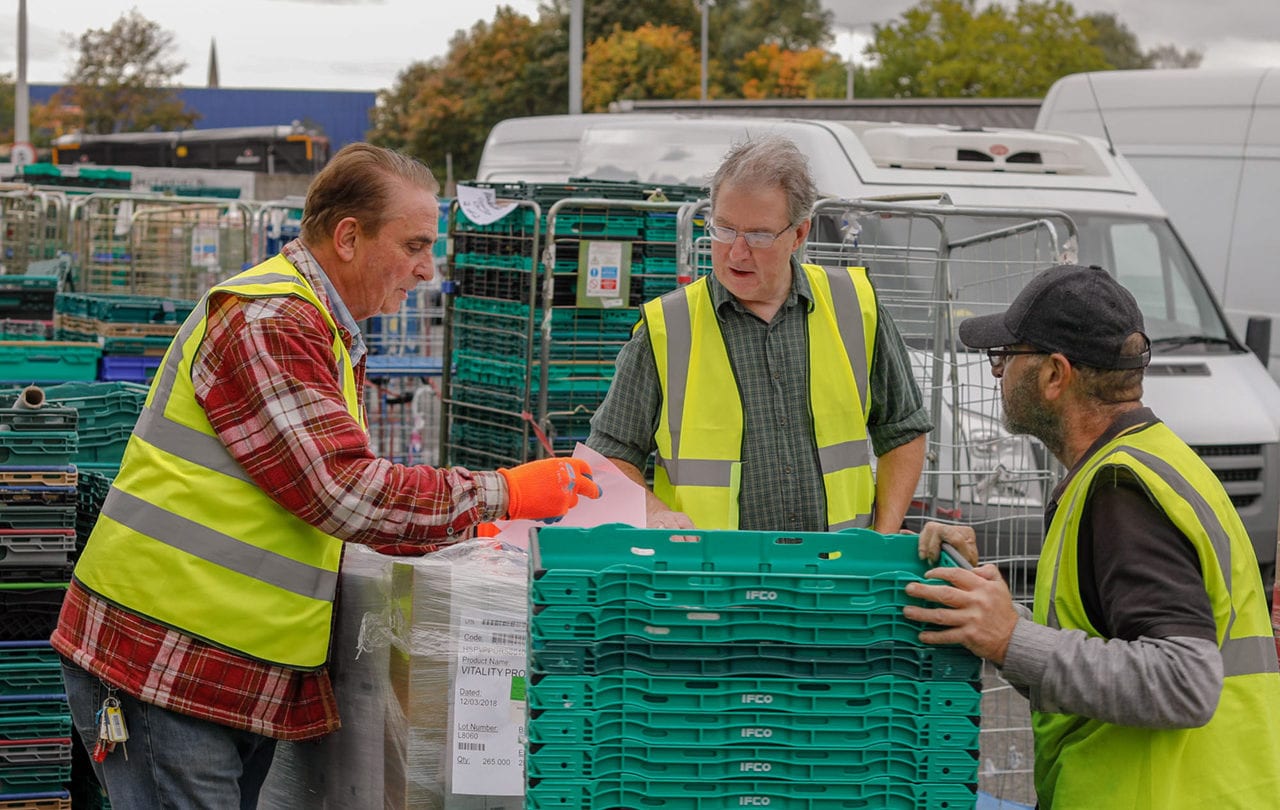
29	612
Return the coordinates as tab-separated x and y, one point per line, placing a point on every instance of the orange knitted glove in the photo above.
547	488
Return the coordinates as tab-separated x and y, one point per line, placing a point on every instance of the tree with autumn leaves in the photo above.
758	49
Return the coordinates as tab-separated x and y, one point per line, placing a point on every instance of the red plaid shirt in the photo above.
266	378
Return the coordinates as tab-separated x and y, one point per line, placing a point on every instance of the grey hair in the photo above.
770	162
1115	386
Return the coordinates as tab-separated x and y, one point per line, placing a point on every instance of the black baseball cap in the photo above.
1081	312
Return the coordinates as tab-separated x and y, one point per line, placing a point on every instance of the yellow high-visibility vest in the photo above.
700	428
1234	760
187	540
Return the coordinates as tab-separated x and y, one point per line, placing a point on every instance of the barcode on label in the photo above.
470	746
508	638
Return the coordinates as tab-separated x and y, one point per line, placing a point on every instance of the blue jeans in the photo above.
175	762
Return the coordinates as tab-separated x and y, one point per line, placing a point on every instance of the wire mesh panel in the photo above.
403	410
32	228
417	329
488	338
585	321
152	245
181	249
934	265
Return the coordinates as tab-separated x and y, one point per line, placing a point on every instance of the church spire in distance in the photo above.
213	62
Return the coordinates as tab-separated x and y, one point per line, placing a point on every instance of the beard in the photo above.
1026	412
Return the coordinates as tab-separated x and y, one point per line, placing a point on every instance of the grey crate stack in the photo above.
57	462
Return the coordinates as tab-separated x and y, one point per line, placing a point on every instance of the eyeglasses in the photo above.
754	239
999	356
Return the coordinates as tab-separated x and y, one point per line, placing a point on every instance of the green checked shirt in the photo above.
781	480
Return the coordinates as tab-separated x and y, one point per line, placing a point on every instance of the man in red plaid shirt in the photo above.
201	607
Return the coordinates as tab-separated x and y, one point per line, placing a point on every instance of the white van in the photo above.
952	223
1207	143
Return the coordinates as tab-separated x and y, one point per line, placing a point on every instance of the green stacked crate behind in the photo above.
730	669
133	331
518	341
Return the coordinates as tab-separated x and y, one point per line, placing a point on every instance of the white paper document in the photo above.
621	501
481	205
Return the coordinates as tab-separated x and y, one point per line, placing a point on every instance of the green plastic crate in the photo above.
847	730
125	308
48	361
36	448
708	764
47	418
99	404
679	625
626	689
937	663
27	718
856	552
29	668
635	792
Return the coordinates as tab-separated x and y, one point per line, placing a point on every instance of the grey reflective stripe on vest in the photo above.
1240	656
844	298
715	473
173	437
1249	656
1213	527
860	522
845	455
206	451
675	317
698	472
220	549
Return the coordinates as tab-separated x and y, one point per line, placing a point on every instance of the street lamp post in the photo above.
575	57
706	4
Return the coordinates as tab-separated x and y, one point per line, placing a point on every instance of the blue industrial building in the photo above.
341	115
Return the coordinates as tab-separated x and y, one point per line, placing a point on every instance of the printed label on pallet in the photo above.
488	704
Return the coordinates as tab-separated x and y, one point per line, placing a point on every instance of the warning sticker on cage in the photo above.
604	271
488	705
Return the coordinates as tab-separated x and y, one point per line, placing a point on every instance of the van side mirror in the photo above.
1257	336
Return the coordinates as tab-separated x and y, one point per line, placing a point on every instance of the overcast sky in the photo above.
363	44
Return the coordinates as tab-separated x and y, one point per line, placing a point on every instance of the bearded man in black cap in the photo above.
1148	657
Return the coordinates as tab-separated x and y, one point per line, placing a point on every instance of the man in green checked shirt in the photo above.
760	385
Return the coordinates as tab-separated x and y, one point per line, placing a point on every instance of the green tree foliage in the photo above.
949	48
6	108
653	61
506	68
1118	44
1168	56
738	27
122	78
1121	48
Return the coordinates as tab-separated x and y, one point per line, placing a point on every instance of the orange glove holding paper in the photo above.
547	488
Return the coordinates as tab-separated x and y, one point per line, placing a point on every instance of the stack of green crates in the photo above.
133	331
740	669
499	314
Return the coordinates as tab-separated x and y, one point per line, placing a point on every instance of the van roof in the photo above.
848	158
1209	107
